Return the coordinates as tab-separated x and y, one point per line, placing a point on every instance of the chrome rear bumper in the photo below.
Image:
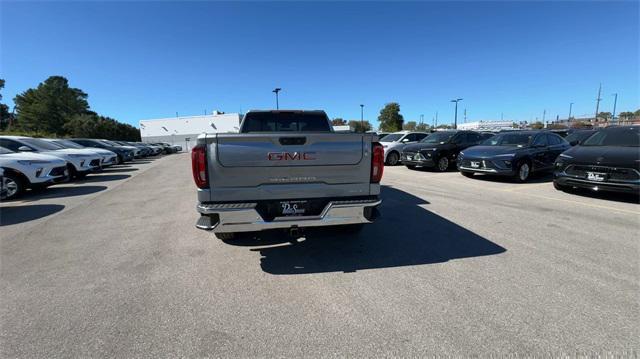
243	217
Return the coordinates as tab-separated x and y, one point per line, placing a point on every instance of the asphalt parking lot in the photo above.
113	266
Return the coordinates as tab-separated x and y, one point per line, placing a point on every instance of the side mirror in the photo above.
24	149
404	140
574	142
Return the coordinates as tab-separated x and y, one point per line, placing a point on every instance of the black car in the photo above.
124	155
439	149
609	160
515	154
578	136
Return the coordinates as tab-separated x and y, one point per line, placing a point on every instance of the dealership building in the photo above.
184	130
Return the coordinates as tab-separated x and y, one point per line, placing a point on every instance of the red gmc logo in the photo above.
290	156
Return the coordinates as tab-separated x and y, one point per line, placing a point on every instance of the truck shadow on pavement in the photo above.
405	235
19	214
61	192
98	177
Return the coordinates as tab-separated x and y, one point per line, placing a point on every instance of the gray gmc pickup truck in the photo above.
287	170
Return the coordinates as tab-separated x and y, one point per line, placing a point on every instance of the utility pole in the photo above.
421	119
598	102
501	116
362	117
455	118
465	115
436	118
276	91
615	100
570	108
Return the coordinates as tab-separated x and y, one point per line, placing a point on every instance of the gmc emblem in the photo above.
290	156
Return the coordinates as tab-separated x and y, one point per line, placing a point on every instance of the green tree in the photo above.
4	110
338	122
556	126
605	115
422	127
637	113
625	115
410	126
49	106
390	118
358	126
537	125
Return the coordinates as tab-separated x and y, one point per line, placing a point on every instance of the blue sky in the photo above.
140	60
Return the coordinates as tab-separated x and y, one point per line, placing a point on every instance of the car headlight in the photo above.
507	163
565	156
32	162
385	146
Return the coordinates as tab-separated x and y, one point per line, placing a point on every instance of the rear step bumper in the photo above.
243	217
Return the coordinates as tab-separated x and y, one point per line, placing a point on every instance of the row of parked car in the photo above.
35	163
606	159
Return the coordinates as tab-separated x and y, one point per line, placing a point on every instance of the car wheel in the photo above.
443	164
13	185
524	170
467	174
411	167
225	236
393	158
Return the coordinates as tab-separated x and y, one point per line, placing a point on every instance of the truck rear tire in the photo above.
226	236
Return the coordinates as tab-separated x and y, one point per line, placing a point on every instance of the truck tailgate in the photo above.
283	166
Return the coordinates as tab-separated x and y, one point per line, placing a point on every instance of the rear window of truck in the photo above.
285	122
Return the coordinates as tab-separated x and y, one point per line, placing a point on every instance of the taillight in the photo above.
199	166
377	163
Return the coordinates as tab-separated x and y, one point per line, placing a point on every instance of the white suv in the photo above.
108	158
79	162
393	144
29	170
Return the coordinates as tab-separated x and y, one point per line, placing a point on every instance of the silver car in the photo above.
393	144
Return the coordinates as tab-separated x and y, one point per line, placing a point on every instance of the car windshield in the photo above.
438	137
392	137
381	136
620	136
41	144
109	143
68	144
579	136
509	139
4	151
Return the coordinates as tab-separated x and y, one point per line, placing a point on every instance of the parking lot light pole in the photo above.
570	108
455	119
276	91
362	117
615	101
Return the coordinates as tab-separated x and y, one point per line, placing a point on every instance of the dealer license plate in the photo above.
595	176
475	164
293	208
